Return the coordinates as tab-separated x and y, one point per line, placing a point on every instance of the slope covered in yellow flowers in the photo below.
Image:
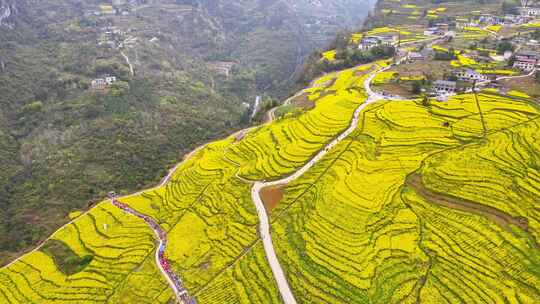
352	230
387	216
206	210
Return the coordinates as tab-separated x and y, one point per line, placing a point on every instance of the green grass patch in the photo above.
67	261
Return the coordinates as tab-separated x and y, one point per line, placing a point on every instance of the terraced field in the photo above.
278	149
392	214
121	269
352	231
206	210
498	262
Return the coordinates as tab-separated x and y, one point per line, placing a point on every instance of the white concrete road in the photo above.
277	271
264	224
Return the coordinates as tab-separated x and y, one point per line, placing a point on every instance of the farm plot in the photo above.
211	222
498	259
278	149
345	233
498	111
115	252
206	210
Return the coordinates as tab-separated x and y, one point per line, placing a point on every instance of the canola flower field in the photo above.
351	230
206	210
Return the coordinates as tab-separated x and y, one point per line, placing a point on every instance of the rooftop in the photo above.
444	83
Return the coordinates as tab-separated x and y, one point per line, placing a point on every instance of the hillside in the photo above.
65	144
360	225
375	183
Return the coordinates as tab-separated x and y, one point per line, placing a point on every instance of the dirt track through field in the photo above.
499	217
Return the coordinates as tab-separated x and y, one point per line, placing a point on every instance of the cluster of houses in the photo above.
526	61
370	42
102	83
524	14
439	29
115	7
448	87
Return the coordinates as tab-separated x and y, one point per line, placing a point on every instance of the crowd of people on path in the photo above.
165	265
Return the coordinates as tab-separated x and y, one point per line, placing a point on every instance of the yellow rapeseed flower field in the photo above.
384	217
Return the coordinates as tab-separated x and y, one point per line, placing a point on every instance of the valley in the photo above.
97	95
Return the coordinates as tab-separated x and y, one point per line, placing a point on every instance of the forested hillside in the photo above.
65	144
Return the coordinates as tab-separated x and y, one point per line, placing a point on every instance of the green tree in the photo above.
416	87
425	101
504	46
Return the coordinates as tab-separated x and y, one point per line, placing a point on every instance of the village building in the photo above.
443	27
524	64
388	40
430	32
530	11
222	68
444	87
107	9
110	80
510	19
98	84
102	83
533	43
526	60
368	43
490	19
470	75
415	56
528	55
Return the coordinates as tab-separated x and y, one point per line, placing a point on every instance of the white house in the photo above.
368	42
470	75
102	83
98	84
525	64
530	11
444	87
110	80
526	60
414	56
388	40
490	19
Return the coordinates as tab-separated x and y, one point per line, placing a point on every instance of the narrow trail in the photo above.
264	224
163	264
516	77
131	70
269	116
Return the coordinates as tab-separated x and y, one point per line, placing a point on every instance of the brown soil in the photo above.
395	89
499	217
418	68
525	84
303	102
271	196
358	73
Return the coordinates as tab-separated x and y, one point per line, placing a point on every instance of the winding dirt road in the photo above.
264	224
